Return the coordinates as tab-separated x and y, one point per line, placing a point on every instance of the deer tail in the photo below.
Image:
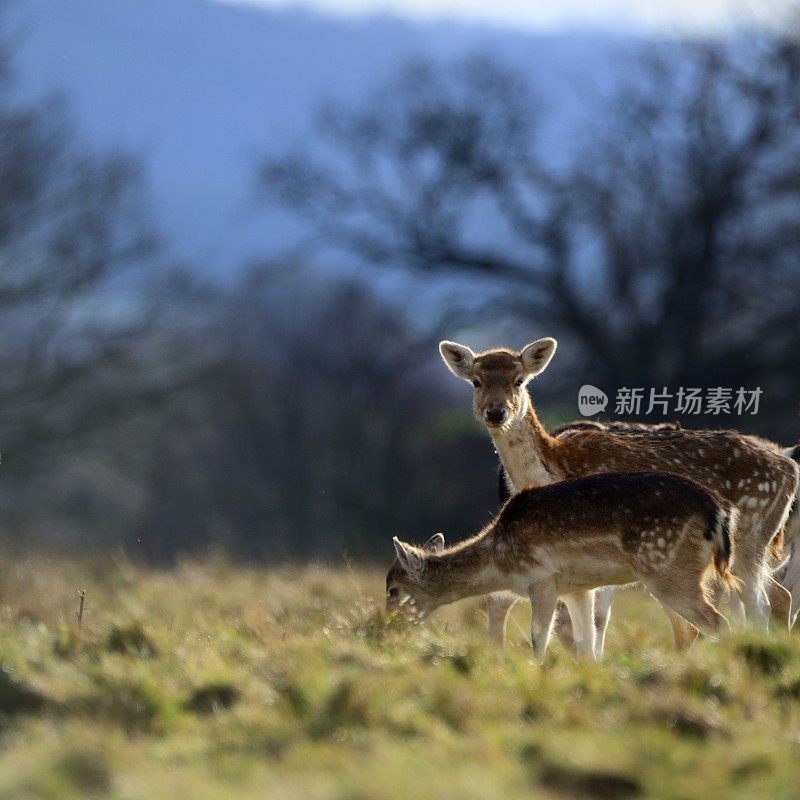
723	535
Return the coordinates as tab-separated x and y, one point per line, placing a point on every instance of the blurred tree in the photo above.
320	432
74	356
667	247
69	224
287	414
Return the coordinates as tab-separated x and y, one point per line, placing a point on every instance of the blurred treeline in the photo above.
293	412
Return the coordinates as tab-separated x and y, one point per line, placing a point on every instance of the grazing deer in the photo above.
498	606
760	483
788	573
565	539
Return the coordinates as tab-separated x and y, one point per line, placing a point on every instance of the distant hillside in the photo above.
201	89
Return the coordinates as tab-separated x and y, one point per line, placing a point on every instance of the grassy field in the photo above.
212	681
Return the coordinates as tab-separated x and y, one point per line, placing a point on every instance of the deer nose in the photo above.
495	415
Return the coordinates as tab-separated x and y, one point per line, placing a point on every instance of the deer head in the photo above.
499	377
405	581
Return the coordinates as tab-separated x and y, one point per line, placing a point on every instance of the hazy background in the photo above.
231	235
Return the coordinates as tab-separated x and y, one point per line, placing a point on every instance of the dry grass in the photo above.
210	681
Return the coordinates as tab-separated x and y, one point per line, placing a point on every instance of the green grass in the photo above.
211	681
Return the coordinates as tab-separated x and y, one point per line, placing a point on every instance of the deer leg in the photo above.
736	607
749	566
581	611
689	603
780	601
543	612
498	606
705	617
683	632
756	607
759	590
753	594
563	629
603	600
790	575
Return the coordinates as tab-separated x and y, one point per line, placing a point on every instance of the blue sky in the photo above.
652	16
201	90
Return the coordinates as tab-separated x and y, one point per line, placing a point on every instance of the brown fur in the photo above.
617	426
792	526
762	483
665	531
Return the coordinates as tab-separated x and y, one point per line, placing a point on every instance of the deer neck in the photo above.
466	570
528	452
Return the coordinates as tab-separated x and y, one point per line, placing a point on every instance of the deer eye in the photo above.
392	592
476	383
518	382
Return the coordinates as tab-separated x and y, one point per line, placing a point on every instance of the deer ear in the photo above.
536	356
435	544
407	556
459	359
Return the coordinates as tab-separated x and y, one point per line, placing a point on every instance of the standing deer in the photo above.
760	483
498	606
565	539
788	573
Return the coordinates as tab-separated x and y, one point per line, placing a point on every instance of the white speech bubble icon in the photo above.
591	400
